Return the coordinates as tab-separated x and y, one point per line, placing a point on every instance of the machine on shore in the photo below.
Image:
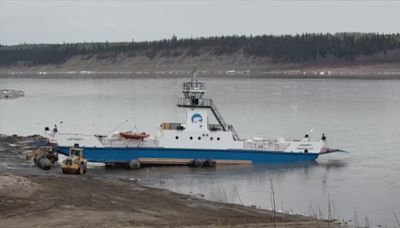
75	163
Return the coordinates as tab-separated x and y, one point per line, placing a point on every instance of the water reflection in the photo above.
333	164
158	172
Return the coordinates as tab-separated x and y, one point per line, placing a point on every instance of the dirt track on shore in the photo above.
31	197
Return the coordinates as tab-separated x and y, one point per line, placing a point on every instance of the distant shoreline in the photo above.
159	75
308	55
222	67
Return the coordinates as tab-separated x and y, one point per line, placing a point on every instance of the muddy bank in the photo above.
89	201
30	197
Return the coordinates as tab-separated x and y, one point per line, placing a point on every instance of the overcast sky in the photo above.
58	21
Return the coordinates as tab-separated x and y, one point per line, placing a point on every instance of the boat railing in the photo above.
119	141
112	141
187	102
194	86
269	145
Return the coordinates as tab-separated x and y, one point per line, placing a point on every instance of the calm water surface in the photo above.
361	116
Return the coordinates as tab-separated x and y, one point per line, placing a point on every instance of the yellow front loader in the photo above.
75	163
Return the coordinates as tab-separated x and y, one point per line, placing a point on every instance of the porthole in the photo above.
191	138
218	138
211	138
199	138
176	137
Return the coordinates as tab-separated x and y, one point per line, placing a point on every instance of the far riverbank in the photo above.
204	74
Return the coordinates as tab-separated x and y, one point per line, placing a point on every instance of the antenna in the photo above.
194	74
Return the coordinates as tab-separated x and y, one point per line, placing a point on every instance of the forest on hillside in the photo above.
279	48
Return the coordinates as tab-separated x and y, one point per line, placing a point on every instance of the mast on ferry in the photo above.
193	92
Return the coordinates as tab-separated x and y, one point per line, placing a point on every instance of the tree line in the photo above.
279	48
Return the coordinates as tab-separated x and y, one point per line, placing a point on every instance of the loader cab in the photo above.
76	152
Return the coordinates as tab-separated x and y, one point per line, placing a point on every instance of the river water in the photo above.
360	116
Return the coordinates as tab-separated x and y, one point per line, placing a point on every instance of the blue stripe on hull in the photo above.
122	155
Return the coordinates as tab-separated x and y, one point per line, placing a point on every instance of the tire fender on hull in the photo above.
134	164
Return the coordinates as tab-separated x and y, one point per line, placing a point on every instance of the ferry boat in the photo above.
195	138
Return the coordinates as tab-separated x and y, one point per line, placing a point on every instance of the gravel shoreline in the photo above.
30	197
